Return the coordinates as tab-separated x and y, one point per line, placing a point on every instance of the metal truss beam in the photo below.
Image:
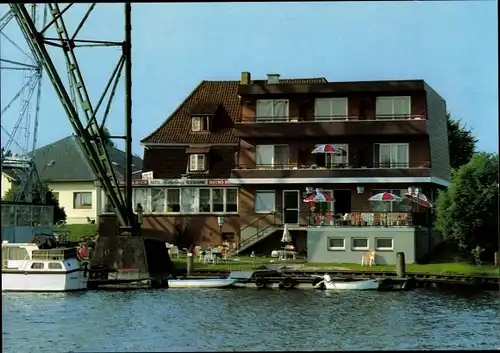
89	132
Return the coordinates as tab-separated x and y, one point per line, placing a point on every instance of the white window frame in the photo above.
272	209
393	115
273	159
197	123
150	200
336	248
273	117
359	248
378	248
393	163
345	102
196	164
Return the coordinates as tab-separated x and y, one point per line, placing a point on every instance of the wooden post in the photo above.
190	263
400	265
496	259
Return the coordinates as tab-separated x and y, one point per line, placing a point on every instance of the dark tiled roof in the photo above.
71	164
15	174
177	128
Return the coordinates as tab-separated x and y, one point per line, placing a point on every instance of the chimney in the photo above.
245	78
273	79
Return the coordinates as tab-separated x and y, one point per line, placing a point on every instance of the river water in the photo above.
248	319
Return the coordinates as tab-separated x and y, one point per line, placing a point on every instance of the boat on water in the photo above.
202	283
34	267
328	282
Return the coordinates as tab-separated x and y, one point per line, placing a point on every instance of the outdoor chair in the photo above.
368	258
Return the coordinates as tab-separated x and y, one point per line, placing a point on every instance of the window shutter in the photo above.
192	162
196	124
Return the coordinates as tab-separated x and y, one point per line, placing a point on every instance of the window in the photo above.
389	206
204	201
197	162
270	110
359	244
334	160
173	200
272	156
336	244
82	200
330	109
384	244
218	200
391	155
55	194
158	200
37	266
393	107
200	123
188	200
140	195
231	200
55	266
265	201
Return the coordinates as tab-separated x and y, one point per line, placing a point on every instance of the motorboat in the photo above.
202	283
328	282
31	267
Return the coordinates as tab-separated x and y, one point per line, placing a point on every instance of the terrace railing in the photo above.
368	219
326	118
373	165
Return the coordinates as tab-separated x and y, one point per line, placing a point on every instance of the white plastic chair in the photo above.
369	258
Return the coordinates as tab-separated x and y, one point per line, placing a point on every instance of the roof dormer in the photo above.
202	116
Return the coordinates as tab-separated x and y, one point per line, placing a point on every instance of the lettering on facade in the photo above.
181	182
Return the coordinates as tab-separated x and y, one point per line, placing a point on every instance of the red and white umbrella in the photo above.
318	196
420	199
385	196
326	149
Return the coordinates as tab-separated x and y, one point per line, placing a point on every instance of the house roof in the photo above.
64	160
207	95
13	174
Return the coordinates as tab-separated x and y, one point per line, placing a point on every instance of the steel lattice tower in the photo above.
20	82
148	258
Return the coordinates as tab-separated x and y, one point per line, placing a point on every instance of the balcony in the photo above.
367	219
279	127
376	169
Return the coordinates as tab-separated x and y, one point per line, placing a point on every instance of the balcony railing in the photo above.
326	118
335	166
368	219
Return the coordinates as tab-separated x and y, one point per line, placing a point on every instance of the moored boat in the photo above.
330	283
28	268
202	283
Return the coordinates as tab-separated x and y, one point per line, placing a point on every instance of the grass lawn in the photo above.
78	232
248	263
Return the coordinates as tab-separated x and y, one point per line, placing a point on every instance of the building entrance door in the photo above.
291	206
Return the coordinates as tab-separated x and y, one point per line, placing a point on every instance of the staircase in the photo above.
258	230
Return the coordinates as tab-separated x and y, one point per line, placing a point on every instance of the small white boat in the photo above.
202	283
329	283
27	268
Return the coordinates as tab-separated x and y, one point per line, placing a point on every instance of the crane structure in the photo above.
20	111
127	256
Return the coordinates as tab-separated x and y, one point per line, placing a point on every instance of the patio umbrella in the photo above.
286	238
420	199
318	196
326	149
385	197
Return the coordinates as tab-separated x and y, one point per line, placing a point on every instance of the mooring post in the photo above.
496	258
400	265
190	263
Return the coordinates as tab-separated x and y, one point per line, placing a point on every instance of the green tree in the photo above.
467	212
107	137
59	213
462	144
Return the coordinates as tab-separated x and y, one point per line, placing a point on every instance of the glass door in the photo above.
291	206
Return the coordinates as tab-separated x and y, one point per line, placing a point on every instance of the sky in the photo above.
451	45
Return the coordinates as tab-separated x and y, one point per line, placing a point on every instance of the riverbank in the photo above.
245	263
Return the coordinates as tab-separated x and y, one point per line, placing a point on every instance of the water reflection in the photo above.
227	320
